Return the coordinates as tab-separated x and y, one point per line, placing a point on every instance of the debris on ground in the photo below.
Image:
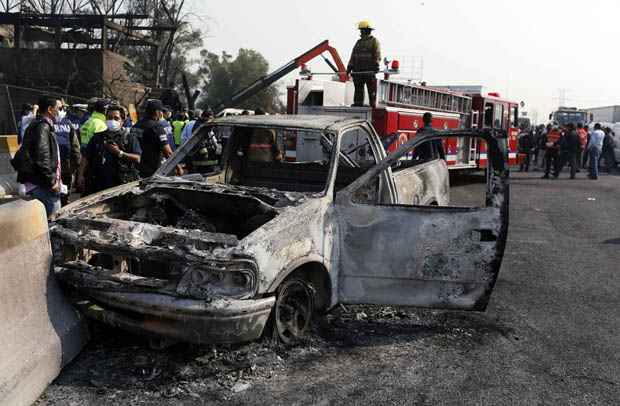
122	368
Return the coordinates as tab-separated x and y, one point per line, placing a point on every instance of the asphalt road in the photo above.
551	334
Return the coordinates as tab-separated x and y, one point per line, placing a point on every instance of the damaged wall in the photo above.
82	73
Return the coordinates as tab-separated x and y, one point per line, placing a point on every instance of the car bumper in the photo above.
217	322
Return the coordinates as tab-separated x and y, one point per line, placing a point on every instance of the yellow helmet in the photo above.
364	25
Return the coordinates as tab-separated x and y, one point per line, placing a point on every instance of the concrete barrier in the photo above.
8	148
8	185
40	332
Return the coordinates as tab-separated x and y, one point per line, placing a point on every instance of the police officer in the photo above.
69	148
364	64
165	122
153	139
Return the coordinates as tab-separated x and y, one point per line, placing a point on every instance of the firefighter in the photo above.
364	64
263	145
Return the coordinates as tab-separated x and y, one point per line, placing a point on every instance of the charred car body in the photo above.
306	212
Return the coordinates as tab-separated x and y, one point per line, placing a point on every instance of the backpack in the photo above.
22	161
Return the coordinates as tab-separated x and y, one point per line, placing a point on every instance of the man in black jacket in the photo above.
526	144
569	150
38	160
608	153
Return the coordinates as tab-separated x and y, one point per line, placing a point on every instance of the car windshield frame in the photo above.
168	167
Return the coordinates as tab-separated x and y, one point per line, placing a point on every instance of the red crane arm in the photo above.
318	50
268	80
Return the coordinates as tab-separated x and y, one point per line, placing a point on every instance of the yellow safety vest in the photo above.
177	129
94	125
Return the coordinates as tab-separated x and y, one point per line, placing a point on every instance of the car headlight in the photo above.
234	279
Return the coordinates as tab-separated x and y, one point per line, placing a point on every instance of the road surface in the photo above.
551	334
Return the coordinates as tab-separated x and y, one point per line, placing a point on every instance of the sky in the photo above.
530	51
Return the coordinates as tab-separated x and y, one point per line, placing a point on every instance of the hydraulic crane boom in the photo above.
268	80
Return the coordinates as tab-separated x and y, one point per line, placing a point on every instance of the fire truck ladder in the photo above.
266	81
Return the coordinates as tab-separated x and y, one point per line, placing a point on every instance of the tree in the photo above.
224	76
176	47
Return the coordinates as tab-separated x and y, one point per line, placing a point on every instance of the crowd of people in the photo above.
89	148
553	147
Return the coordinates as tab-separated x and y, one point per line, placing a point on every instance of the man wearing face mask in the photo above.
37	162
111	158
69	146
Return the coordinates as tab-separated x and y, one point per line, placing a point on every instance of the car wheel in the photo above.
294	310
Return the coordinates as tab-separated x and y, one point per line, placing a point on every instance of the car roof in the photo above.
306	121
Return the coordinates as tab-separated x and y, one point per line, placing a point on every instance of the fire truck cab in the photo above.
489	110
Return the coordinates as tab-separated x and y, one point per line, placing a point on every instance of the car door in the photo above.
427	256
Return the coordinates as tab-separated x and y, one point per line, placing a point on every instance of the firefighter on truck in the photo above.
364	65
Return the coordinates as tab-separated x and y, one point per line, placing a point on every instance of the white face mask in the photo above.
113	125
61	115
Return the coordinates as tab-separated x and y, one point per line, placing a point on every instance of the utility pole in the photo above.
562	97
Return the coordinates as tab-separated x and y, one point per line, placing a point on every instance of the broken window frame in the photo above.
168	167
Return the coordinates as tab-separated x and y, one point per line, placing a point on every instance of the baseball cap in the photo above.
154	105
101	104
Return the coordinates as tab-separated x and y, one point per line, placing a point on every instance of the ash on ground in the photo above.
125	369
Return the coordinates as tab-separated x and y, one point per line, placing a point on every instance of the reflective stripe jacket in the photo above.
366	55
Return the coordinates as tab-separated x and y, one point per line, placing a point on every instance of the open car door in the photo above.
426	256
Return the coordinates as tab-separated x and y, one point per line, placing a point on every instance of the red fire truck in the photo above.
400	106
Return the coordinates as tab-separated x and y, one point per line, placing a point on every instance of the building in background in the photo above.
72	54
608	114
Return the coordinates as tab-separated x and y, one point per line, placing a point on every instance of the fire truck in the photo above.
399	108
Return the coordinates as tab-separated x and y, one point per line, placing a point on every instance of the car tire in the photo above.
294	310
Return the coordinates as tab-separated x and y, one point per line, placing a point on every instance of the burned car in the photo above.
305	213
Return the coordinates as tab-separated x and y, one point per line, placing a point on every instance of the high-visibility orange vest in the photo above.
554	137
583	137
